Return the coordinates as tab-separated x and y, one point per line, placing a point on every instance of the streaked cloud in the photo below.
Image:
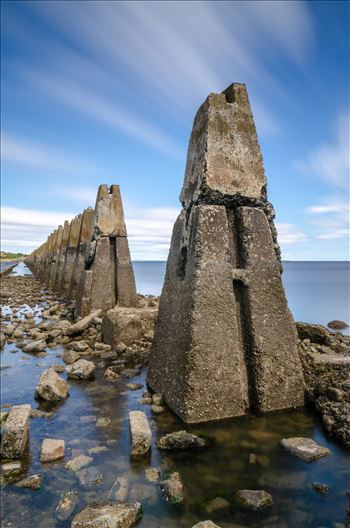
290	234
330	220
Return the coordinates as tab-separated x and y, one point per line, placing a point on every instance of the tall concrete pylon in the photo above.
79	260
61	256
225	342
69	259
108	277
55	251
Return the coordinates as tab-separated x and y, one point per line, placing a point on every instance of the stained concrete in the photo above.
225	342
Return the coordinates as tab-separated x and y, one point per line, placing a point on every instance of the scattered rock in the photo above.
130	373
103	422
140	433
110	374
253	499
79	346
51	450
77	463
120	489
134	386
152	474
58	368
206	524
66	505
120	348
15	433
11	469
83	324
322	489
315	332
157	399
81	369
173	489
3	416
35	346
337	325
89	477
180	440
51	387
36	413
2	340
97	449
217	504
305	448
108	515
157	409
32	482
70	356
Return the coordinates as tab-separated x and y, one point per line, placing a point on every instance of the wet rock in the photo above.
180	440
206	524
97	449
121	347
315	332
109	355
58	368
89	477
79	346
337	325
146	400
32	482
103	347
70	356
35	346
81	369
140	433
2	340
66	505
36	413
216	504
157	409
253	499
8	330
51	387
108	515
15	433
84	323
110	374
11	469
152	474
51	450
304	448
322	489
3	416
77	463
120	489
157	399
130	373
134	386
173	489
103	422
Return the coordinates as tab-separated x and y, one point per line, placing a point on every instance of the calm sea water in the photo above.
317	292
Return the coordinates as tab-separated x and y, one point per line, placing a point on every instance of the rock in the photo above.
253	499
3	416
304	448
79	346
173	489
58	368
315	332
35	346
70	356
109	355
89	477
337	325
140	433
180	440
206	524
8	330
217	504
97	449
130	373
32	482
77	463
51	387
81	369
124	326
103	422
134	386
108	515
66	505
322	489
157	399
120	489
11	469
110	374
15	433
84	323
103	347
152	474
36	413
51	450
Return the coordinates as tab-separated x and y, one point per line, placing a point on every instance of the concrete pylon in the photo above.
61	256
108	277
56	244
44	260
79	259
225	342
71	249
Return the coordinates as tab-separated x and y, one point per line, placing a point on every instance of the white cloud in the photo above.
330	162
20	151
290	234
330	220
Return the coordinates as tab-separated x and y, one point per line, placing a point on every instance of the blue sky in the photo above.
106	92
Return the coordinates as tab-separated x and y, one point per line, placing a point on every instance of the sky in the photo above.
106	92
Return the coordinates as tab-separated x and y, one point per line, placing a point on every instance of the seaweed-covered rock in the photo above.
180	440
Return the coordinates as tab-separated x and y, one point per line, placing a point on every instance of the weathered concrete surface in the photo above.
70	254
140	433
61	257
79	261
53	256
108	277
15	432
225	341
127	325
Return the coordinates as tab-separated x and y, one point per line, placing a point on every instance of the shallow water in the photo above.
218	470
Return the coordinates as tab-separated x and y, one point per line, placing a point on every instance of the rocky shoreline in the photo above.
35	320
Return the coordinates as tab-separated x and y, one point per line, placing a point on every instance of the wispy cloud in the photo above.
290	234
31	154
330	162
331	220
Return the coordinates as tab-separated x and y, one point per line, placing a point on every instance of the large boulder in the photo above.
15	432
108	515
315	332
127	325
81	369
140	433
51	387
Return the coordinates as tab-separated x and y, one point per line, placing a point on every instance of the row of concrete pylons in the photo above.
87	259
